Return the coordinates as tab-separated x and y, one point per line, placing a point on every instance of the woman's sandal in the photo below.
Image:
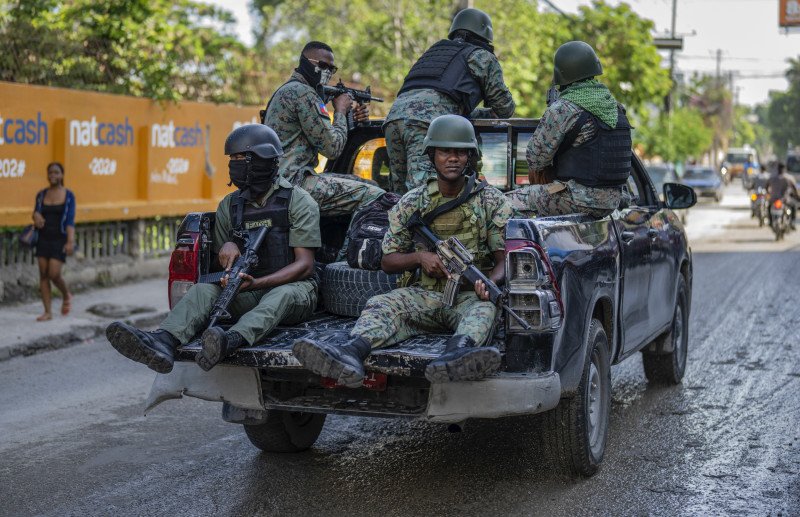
45	317
66	305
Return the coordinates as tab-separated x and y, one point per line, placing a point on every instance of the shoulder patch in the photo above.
323	112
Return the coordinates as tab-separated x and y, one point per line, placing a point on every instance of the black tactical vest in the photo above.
443	68
603	161
275	252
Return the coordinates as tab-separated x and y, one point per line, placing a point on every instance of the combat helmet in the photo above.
452	131
575	60
475	21
259	139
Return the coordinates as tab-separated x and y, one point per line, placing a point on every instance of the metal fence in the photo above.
142	238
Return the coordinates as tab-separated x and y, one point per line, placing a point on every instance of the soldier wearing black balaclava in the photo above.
281	288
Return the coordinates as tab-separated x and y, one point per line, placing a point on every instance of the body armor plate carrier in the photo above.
603	161
443	68
275	252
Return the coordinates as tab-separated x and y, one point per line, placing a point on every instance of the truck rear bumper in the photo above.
506	394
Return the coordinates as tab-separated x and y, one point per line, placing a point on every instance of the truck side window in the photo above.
494	157
633	190
520	161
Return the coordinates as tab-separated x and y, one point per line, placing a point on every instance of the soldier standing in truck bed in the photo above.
579	157
298	115
451	77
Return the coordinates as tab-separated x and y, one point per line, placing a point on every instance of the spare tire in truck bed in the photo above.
347	289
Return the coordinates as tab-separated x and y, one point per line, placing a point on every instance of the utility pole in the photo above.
719	65
668	103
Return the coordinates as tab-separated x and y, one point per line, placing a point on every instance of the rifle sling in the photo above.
469	191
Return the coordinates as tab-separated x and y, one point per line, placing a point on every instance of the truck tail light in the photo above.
183	266
778	204
532	288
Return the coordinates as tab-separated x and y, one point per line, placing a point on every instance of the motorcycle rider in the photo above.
782	186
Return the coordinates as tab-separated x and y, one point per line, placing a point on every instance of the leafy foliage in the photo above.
783	112
161	49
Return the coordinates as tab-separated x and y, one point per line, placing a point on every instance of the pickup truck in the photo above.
594	292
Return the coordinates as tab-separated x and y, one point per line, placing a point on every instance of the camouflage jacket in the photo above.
491	210
425	104
299	117
555	123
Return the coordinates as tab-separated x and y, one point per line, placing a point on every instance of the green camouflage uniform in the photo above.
299	117
259	311
561	197
407	122
409	311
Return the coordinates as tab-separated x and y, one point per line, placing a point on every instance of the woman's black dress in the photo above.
51	241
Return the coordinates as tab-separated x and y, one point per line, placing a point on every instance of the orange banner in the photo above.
124	157
789	13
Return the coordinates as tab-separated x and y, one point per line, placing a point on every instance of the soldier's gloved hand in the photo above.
228	255
432	265
361	113
481	290
342	103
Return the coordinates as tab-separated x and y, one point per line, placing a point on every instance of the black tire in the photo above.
347	289
667	364
286	431
574	434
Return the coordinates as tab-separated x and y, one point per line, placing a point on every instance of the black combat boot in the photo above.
154	349
217	344
463	361
343	361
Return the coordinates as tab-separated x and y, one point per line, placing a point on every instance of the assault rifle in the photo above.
458	262
360	96
243	264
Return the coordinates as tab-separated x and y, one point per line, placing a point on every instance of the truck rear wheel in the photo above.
574	434
286	431
667	364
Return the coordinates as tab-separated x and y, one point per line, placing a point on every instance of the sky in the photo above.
746	31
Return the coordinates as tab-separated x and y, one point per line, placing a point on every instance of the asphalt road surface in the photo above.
73	440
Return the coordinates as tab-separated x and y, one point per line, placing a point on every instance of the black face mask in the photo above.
253	177
312	73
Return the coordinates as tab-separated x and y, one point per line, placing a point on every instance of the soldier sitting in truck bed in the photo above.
280	289
476	214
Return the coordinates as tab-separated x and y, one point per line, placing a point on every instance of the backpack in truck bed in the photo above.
370	223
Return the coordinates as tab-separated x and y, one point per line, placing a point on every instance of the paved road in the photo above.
73	440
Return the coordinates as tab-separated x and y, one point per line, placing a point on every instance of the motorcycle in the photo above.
779	213
758	206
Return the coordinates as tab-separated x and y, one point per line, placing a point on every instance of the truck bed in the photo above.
407	359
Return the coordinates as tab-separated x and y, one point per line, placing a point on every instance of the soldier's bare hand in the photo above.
228	255
432	265
247	281
342	103
481	290
361	113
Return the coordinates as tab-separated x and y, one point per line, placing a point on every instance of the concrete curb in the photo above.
76	335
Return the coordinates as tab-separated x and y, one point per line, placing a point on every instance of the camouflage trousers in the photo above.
336	195
409	165
259	311
410	311
559	198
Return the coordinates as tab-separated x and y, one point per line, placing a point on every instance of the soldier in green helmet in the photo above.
579	157
477	215
451	77
281	288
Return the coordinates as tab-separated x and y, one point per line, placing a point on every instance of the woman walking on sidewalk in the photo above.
54	217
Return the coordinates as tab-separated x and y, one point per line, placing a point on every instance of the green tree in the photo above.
783	112
160	49
675	138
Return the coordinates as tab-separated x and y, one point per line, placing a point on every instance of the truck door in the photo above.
632	224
